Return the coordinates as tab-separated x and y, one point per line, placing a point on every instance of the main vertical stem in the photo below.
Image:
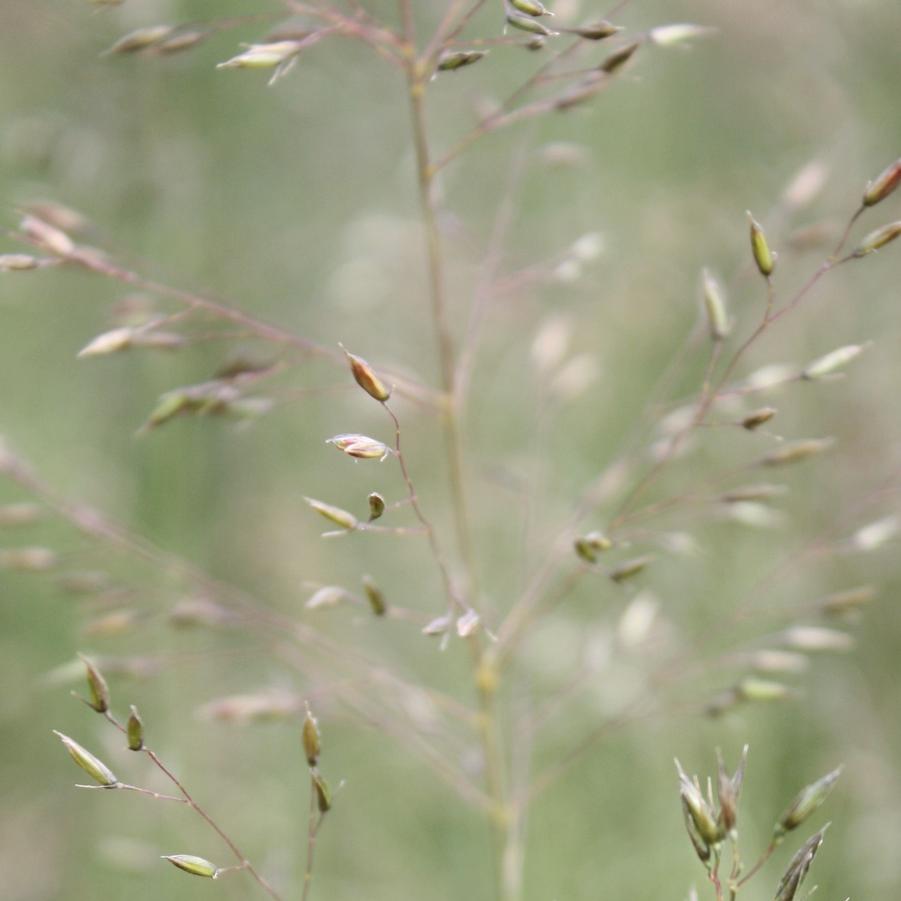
416	81
484	668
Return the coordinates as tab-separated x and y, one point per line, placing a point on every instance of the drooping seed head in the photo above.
196	866
806	802
92	765
883	184
760	249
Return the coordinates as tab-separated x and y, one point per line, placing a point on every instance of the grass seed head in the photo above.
92	765
806	802
196	866
134	730
883	184
311	739
375	597
877	239
97	687
760	249
366	378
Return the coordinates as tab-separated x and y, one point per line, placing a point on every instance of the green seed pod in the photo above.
196	866
754	689
263	56
806	802
630	568
312	745
597	31
883	184
830	362
698	809
718	322
323	793
333	514
878	239
374	596
97	687
763	256
376	506
526	23
92	765
140	39
758	418
798	867
530	7
617	60
366	378
451	61
135	730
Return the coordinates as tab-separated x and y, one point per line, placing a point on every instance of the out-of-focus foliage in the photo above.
298	204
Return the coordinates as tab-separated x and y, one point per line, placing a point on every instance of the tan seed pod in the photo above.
312	744
366	378
21	514
883	184
843	602
47	236
17	262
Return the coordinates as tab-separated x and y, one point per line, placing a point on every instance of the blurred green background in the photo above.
297	203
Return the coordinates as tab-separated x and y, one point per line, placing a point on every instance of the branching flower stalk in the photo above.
577	552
